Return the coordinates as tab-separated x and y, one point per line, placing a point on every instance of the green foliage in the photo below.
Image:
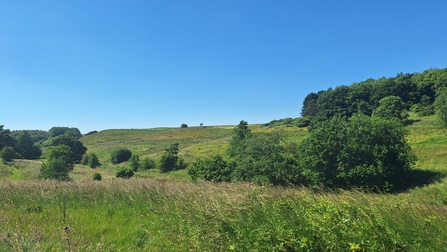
441	106
391	107
303	121
84	160
37	136
184	125
124	173
120	155
310	106
57	131
135	162
167	162
421	110
263	161
7	153
93	160
258	158
97	176
58	163
361	151
26	147
240	133
147	163
5	137
212	169
364	97
170	161
77	148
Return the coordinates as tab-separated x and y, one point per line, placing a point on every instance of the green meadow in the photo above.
168	212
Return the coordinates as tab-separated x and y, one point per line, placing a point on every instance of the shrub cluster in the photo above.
124	173
360	151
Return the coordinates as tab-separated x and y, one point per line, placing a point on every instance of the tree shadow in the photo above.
410	122
417	178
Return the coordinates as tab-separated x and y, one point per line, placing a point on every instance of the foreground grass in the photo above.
154	215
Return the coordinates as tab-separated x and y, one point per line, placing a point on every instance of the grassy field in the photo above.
155	212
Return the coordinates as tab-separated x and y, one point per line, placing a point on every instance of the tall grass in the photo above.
154	215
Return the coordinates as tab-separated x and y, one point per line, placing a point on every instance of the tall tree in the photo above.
5	137
76	146
26	147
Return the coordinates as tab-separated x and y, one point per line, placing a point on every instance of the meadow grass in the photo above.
159	215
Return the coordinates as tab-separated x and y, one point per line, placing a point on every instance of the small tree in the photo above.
93	160
147	163
135	162
184	125
84	160
391	107
120	155
58	163
168	161
7	153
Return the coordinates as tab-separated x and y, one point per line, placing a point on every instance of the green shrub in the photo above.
170	161
167	162
135	162
212	169
97	176
120	155
124	173
93	160
184	125
7	153
303	121
147	163
58	163
84	160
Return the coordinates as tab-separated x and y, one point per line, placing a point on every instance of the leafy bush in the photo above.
147	163
170	161
7	153
97	176
303	121
124	173
184	125
167	162
93	160
120	155
212	169
359	151
84	159
135	162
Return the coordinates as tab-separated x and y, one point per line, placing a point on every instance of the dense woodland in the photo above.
356	138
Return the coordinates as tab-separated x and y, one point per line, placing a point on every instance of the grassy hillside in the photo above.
193	142
153	212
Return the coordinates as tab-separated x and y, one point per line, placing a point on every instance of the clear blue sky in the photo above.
109	64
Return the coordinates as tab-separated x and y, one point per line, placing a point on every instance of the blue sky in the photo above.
99	65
